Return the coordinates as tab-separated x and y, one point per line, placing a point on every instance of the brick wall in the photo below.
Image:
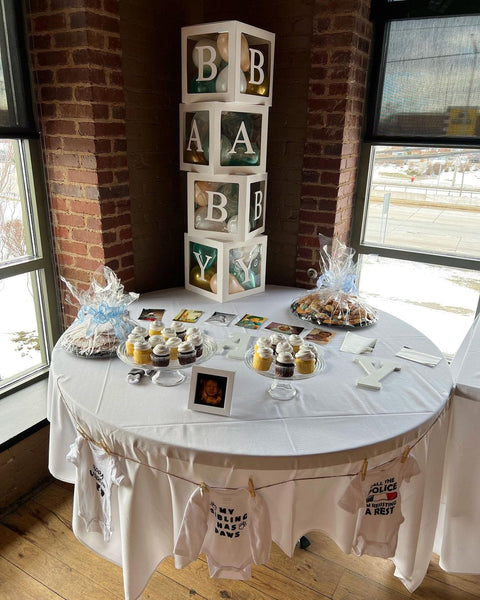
76	59
339	59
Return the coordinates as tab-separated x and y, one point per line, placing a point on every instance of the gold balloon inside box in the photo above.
227	61
226	207
225	270
223	137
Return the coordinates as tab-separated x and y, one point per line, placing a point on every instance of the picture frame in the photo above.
211	390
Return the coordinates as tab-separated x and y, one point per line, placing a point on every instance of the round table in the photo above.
300	452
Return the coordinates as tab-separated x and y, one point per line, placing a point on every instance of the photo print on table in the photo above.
151	314
284	328
221	318
251	322
320	336
211	390
188	316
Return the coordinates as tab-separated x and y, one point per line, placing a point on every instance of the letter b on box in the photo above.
227	62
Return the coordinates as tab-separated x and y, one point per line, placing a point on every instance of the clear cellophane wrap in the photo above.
102	322
335	301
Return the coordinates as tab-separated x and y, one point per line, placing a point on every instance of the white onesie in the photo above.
97	471
379	498
230	526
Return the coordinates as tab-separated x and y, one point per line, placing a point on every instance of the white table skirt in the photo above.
458	540
299	446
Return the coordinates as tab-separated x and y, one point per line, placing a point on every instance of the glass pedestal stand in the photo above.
282	388
173	374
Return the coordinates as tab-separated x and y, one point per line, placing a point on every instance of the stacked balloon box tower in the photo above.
227	70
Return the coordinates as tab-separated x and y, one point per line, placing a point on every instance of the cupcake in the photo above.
153	340
276	338
197	341
284	347
309	346
186	353
192	331
284	365
168	332
141	331
173	343
305	361
179	329
130	343
296	341
155	327
160	356
262	342
263	358
141	352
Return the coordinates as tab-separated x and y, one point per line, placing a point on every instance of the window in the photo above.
28	317
417	226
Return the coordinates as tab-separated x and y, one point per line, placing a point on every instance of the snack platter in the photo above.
342	311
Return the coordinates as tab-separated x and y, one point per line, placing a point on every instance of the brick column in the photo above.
76	59
339	59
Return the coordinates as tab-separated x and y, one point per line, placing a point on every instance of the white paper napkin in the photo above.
420	357
357	344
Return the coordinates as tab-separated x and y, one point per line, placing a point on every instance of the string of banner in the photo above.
251	487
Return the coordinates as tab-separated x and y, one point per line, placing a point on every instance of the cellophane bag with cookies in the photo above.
335	301
103	320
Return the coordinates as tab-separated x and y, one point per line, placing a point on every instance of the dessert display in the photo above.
335	301
160	356
102	321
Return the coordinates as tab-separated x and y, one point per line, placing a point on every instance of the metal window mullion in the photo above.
22	267
444	260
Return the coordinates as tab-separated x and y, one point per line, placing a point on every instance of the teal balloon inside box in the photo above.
224	271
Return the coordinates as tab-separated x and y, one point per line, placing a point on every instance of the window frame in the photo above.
40	264
382	12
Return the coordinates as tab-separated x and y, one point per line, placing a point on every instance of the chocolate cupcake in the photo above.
284	365
160	356
179	329
186	353
197	341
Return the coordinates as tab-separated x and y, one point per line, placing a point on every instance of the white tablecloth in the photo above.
458	539
296	447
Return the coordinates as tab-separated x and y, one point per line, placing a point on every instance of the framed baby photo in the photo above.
211	390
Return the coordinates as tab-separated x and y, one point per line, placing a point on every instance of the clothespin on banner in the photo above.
405	454
204	487
251	488
364	469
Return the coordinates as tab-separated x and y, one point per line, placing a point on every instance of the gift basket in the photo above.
102	322
335	301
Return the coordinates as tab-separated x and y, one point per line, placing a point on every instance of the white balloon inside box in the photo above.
226	207
223	271
227	61
223	138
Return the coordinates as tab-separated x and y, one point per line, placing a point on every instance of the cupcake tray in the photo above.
282	388
172	373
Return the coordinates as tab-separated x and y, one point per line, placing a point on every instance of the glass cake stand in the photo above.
173	373
281	387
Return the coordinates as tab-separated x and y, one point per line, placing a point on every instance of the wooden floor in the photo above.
40	559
